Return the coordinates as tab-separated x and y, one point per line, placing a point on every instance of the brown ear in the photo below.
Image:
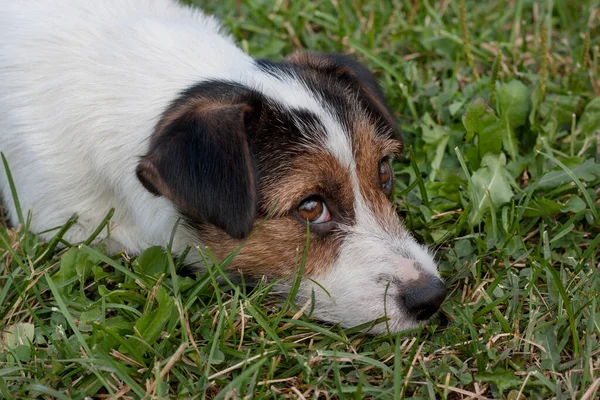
349	70
199	157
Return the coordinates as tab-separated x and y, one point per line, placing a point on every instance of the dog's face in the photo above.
307	144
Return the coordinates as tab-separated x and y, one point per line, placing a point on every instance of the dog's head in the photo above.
307	141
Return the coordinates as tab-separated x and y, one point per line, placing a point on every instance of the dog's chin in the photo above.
383	325
393	326
323	308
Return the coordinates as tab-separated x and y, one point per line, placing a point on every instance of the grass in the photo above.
499	103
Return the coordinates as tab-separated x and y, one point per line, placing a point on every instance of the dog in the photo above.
149	107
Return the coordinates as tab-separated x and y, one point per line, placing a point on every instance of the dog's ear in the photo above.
349	71
200	159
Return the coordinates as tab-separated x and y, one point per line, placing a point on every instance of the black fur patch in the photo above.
341	81
200	159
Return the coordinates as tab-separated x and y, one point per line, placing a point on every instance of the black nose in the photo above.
424	298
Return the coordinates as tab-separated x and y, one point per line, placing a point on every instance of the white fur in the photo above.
82	85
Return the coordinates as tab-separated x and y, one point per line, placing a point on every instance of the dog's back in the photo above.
82	85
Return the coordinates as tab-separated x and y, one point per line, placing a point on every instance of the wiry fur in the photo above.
108	104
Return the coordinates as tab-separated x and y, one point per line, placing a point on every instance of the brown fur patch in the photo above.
275	249
276	246
317	174
369	149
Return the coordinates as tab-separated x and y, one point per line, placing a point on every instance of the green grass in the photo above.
500	109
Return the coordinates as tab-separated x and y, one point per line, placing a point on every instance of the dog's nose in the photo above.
424	297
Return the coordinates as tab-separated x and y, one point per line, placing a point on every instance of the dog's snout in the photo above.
424	297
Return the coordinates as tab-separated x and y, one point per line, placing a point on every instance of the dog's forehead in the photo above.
314	110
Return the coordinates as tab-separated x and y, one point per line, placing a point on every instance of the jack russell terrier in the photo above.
148	107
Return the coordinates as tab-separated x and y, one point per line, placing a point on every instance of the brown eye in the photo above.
314	210
386	176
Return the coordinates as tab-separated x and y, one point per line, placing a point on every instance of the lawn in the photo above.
499	103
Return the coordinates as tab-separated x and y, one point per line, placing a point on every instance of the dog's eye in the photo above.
386	176
314	210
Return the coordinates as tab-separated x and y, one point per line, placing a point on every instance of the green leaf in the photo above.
151	325
575	204
118	323
88	317
589	122
513	102
542	207
153	262
472	156
501	378
509	141
455	107
73	264
547	338
218	357
20	334
99	273
436	138
23	351
515	395
560	107
490	185
586	171
185	283
68	267
577	182
463	248
481	120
